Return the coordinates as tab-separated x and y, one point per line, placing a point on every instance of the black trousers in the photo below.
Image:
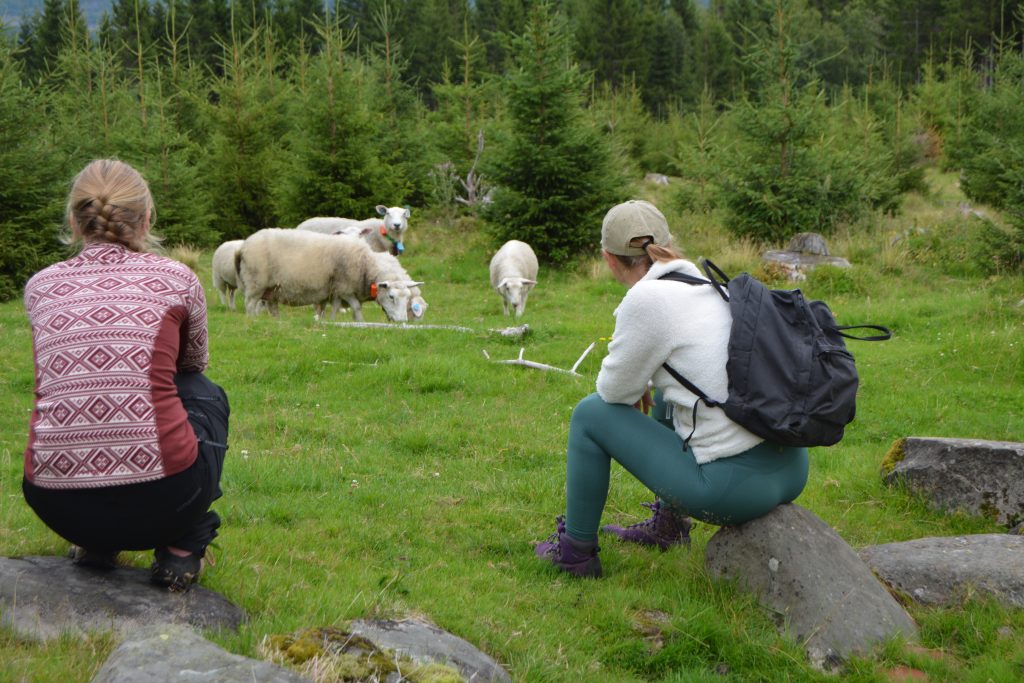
171	511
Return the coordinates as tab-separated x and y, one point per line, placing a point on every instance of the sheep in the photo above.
386	235
513	274
225	278
391	269
292	267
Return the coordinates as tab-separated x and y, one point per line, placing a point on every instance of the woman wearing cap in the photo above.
719	473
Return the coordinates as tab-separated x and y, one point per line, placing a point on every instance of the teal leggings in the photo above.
727	491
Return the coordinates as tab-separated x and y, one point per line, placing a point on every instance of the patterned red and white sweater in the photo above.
110	328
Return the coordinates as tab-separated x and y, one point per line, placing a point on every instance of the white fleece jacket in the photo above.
687	326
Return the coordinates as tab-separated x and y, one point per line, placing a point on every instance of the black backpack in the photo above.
791	379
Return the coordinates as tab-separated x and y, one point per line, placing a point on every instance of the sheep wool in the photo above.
297	267
225	278
513	275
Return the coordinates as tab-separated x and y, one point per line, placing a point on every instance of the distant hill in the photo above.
13	12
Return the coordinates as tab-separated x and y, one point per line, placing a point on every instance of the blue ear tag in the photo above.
417	309
400	248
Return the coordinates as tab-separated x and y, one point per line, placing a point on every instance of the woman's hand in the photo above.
645	403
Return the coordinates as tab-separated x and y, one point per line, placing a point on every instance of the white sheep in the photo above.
385	234
391	269
513	274
225	278
281	266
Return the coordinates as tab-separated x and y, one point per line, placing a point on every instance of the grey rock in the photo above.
42	597
821	591
978	477
945	570
423	643
798	260
808	243
172	652
656	178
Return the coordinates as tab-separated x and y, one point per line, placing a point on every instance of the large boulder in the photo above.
978	477
171	652
43	597
946	570
801	570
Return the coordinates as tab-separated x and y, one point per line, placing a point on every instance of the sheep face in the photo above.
395	298
514	291
396	222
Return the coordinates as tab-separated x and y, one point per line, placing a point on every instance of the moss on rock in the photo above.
897	452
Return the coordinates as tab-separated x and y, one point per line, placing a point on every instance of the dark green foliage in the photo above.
30	184
553	174
243	153
796	167
334	169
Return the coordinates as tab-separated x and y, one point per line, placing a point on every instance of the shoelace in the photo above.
654	507
556	548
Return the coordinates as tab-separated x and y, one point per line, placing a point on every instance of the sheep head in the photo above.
514	291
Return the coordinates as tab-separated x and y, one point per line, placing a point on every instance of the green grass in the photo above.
392	472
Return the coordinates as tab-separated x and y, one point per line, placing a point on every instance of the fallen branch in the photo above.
544	366
403	326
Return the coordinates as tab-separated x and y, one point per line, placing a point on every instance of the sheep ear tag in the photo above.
383	229
373	290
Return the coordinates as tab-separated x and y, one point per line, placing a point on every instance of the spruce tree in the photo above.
333	163
241	165
554	175
31	186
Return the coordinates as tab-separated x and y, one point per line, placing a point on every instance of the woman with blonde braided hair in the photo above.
127	439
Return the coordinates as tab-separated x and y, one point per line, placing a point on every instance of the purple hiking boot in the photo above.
664	528
575	557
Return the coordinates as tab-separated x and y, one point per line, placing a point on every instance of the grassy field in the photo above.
386	472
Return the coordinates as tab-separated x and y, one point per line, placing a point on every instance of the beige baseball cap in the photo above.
629	220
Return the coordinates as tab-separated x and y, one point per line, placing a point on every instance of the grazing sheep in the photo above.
225	278
382	235
391	269
513	274
292	267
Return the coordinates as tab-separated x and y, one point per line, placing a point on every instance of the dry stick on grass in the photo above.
403	326
544	366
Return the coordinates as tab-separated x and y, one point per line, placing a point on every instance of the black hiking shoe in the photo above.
177	573
97	559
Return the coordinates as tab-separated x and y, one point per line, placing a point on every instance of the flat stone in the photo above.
43	597
172	652
983	478
797	259
823	594
423	643
946	570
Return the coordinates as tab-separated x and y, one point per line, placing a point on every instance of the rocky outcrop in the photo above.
825	596
945	571
43	597
978	477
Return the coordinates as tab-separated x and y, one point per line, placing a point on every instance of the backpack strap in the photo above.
712	270
886	332
694	389
716	277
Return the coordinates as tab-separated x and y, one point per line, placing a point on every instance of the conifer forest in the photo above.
535	115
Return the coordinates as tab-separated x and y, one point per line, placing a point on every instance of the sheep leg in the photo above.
357	310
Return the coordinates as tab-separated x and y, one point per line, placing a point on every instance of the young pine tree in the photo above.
334	169
554	174
31	188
